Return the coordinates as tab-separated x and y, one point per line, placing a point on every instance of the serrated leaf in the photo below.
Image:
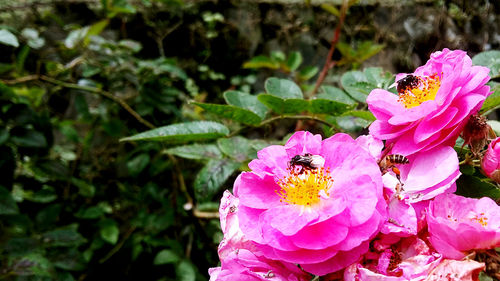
231	112
238	147
294	61
363	114
196	151
492	102
307	73
166	257
283	88
471	186
490	59
7	38
185	271
336	94
109	231
378	77
7	204
328	106
71	259
65	237
351	83
183	132
360	90
261	62
212	176
281	106
247	101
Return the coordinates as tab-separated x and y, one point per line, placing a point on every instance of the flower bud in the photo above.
491	160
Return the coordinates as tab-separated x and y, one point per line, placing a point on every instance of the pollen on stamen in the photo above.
481	219
426	90
306	187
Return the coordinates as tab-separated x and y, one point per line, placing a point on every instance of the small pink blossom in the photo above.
491	160
460	225
320	218
453	270
410	259
433	110
427	175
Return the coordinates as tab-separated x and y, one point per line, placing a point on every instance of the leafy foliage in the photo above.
115	146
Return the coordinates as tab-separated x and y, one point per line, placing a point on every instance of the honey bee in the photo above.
389	161
409	82
306	161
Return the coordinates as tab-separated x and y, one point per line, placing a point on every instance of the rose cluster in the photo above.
362	209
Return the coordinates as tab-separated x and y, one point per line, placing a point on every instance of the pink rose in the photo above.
491	161
240	258
466	270
322	216
460	225
433	104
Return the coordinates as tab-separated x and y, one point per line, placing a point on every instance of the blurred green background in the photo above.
76	76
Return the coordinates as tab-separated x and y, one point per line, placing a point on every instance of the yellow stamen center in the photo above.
426	90
481	219
305	187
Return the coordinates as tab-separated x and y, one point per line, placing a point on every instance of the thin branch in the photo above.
119	245
94	90
182	183
205	215
336	36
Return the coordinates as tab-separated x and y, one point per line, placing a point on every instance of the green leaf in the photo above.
282	106
7	204
294	61
63	237
331	9
71	259
231	112
484	277
261	62
490	59
185	271
307	73
84	188
471	186
336	94
356	85
212	176
328	106
27	138
138	163
95	29
45	195
93	212
492	102
166	257
363	114
196	151
183	132
247	101
379	78
7	38
283	88
238	148
109	231
495	126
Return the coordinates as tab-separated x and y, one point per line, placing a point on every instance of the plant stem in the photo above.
94	90
336	36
